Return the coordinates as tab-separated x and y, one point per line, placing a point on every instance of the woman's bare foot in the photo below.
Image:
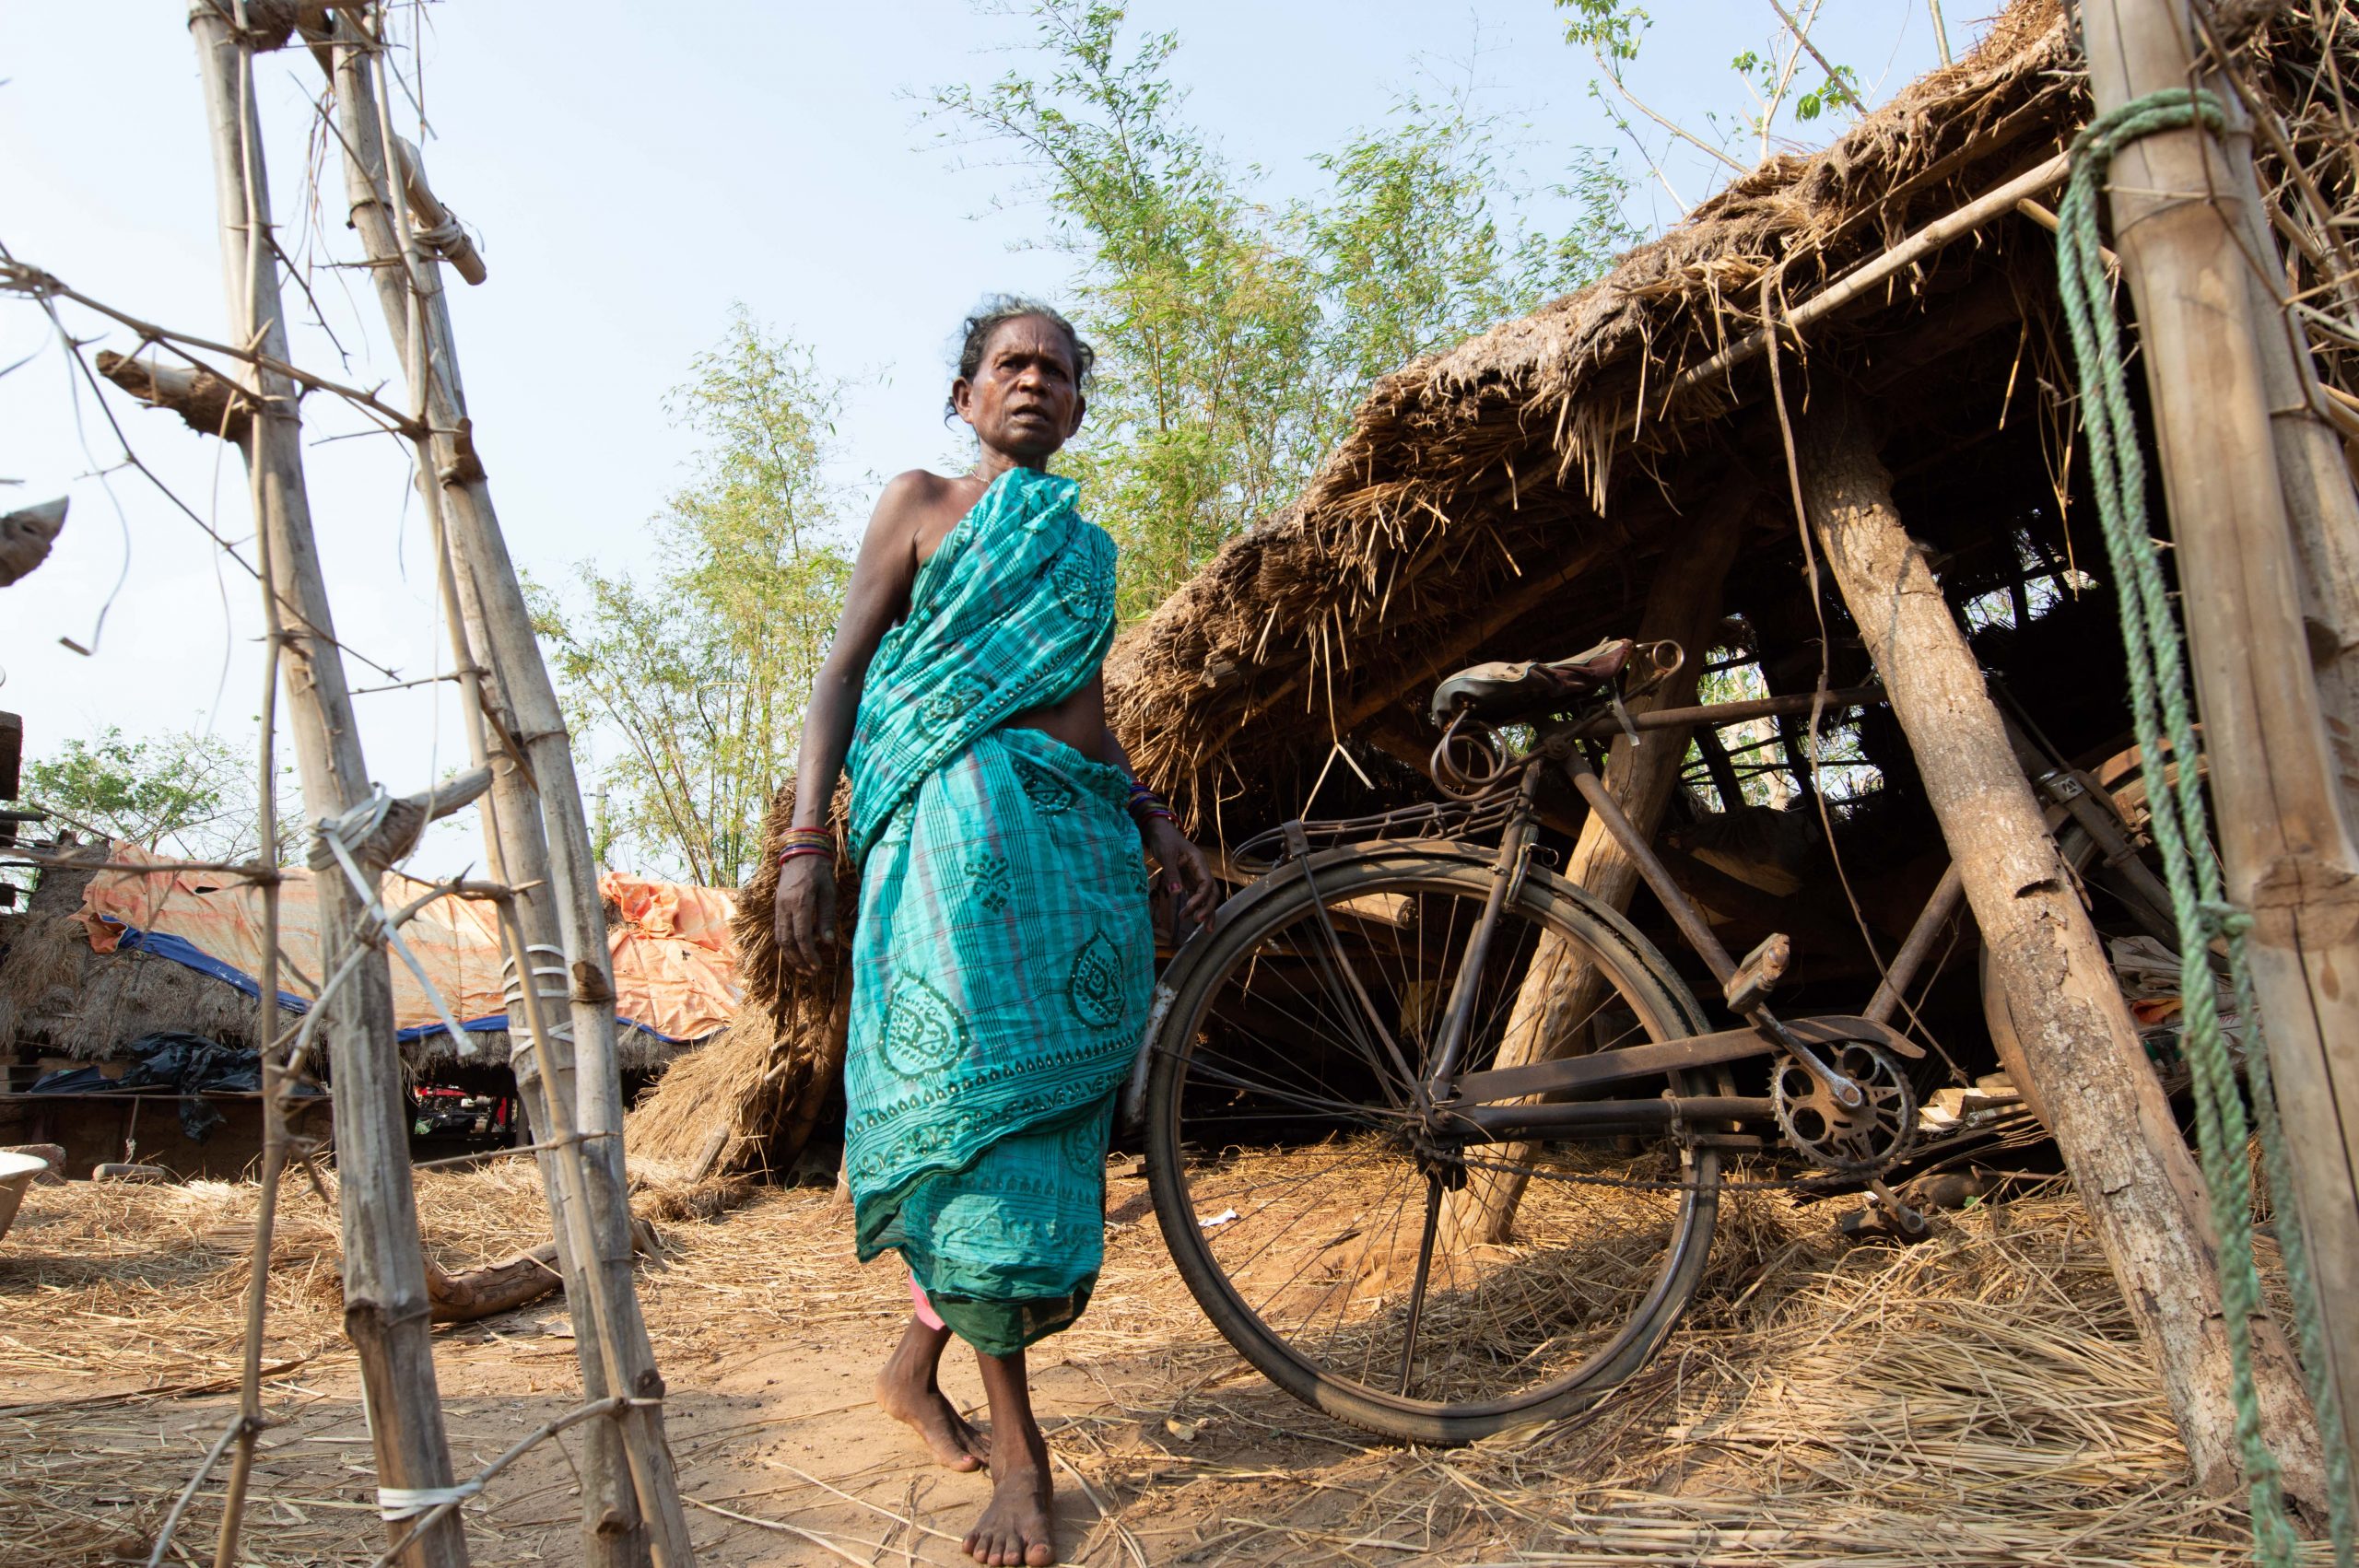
1018	1526
908	1391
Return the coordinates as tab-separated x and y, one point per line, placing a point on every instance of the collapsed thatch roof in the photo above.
1477	479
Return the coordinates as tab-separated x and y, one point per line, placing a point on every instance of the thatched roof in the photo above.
1545	450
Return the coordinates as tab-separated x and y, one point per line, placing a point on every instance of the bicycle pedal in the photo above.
1759	974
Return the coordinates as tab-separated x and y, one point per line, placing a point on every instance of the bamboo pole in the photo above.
614	1534
2111	1119
273	1119
2284	845
1560	987
2321	506
1855	283
542	840
386	1305
266	1031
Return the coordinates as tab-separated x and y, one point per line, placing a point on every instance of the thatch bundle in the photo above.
56	995
745	1101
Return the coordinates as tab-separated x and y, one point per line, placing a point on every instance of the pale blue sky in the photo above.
633	171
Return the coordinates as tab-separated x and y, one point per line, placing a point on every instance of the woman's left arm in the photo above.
1186	873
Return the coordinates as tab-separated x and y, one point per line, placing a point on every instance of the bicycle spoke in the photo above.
1417	1290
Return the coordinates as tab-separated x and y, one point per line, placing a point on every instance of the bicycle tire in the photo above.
1635	975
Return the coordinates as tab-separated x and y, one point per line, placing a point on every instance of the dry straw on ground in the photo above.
1980	1399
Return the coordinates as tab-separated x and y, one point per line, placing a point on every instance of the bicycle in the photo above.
1321	1075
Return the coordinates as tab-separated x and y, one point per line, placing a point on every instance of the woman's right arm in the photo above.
882	575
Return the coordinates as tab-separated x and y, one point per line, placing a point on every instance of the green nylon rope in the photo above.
2159	699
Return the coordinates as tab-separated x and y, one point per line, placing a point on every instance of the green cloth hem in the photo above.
1003	1328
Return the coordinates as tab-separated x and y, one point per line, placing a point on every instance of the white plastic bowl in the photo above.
16	1173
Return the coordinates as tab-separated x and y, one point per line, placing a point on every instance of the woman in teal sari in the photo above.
1003	958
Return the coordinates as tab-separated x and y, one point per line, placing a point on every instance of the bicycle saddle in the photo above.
1506	693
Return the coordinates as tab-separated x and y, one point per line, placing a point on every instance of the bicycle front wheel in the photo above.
1431	1295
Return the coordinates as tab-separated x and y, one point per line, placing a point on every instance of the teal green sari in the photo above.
1003	958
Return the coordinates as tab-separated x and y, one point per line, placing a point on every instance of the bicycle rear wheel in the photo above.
1324	1238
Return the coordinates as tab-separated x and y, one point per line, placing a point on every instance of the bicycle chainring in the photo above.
1842	1138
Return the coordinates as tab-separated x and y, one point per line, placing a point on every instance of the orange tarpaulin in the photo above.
675	971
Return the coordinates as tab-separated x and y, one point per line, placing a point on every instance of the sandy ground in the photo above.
1973	1400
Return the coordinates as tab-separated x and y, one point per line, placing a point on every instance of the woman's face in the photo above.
1025	397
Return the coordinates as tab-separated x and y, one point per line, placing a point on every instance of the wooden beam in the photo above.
2111	1119
208	404
494	1288
2321	506
2285	845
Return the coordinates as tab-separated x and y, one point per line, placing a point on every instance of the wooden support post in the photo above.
537	835
1725	783
1683	606
2321	506
385	1302
2111	1119
2283	841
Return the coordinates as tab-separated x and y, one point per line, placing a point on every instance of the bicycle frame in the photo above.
1502	1104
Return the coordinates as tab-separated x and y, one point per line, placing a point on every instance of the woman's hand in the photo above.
805	910
1186	876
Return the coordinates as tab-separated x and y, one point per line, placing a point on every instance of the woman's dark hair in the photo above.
996	313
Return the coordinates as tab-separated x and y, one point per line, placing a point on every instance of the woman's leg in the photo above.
1018	1526
909	1390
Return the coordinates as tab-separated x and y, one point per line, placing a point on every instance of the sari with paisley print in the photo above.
1003	958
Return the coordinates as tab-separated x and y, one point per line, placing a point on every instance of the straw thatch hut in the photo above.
1617	463
60	997
1621	462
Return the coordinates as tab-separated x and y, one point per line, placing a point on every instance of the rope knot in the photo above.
2224	920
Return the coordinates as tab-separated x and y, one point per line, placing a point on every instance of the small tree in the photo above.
701	677
188	793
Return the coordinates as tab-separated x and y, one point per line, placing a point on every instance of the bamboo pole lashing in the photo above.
384	1270
613	1527
539	812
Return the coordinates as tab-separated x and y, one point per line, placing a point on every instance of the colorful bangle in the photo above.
805	841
